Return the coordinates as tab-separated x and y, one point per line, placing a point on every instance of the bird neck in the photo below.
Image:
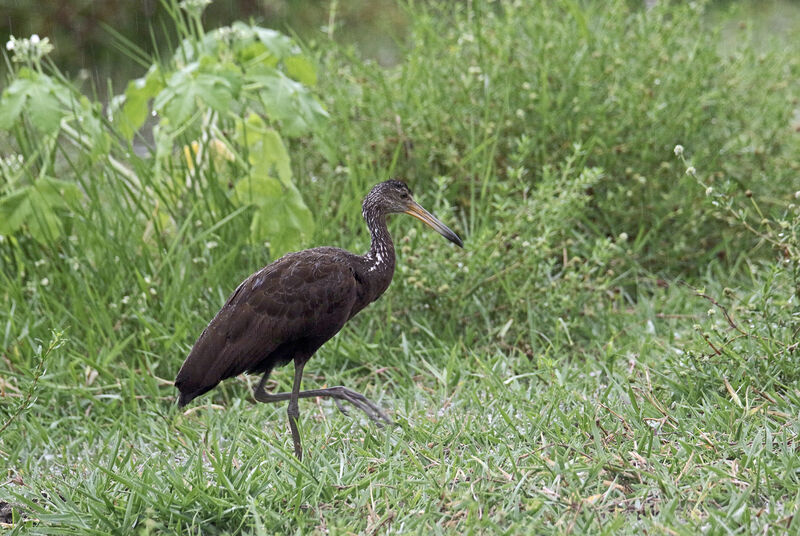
381	252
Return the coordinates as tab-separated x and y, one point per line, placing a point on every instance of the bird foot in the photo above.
360	401
341	406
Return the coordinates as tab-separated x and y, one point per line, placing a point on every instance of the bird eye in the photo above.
404	196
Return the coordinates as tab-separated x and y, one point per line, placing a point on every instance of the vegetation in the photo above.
614	352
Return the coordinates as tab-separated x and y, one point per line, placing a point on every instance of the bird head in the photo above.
394	197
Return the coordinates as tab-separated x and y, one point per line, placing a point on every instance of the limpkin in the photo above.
288	309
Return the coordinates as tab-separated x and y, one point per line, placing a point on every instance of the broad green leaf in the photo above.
45	111
267	152
310	113
137	95
272	153
299	215
280	45
57	193
288	102
34	206
253	123
13	101
285	222
47	195
297	223
256	54
214	90
241	38
35	93
43	223
268	155
15	208
89	124
299	68
259	190
225	70
187	89
281	217
173	102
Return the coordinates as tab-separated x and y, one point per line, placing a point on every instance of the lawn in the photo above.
614	351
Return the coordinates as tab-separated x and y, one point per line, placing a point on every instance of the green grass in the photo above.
571	371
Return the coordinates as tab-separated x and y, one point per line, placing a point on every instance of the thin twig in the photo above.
56	341
716	304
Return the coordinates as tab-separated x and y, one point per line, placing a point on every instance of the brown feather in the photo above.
293	305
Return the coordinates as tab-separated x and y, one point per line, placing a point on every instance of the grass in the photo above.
613	352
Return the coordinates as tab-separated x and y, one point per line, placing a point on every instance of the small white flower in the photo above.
691	170
709	190
797	194
466	38
147	280
125	300
211	244
678	150
710	312
623	237
194	7
153	292
34	48
44	282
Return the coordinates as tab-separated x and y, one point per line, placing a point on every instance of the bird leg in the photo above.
338	393
292	409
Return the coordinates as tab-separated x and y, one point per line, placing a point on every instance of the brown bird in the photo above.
288	309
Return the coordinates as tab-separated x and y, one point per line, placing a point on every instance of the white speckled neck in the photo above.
381	251
377	258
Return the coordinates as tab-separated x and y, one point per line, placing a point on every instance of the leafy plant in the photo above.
232	94
38	207
10	415
34	105
250	81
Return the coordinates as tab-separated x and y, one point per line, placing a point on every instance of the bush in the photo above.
625	84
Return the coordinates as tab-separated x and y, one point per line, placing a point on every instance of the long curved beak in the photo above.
414	209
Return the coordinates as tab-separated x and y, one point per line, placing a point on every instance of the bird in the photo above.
287	310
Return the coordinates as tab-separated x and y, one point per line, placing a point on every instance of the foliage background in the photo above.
613	352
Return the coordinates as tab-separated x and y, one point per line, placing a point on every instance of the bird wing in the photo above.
294	304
